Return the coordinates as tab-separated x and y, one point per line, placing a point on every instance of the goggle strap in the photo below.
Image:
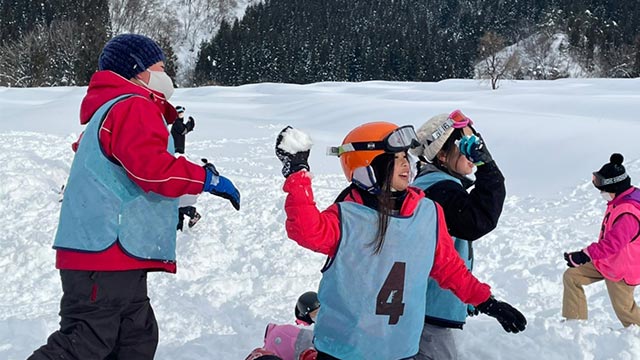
456	119
333	151
440	130
613	180
360	146
339	150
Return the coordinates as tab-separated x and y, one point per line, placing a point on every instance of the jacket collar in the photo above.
620	198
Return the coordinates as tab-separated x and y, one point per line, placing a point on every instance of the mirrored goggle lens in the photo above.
402	138
460	120
597	179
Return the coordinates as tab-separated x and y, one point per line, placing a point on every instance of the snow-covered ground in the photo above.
237	271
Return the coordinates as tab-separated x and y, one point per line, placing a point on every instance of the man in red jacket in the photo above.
118	218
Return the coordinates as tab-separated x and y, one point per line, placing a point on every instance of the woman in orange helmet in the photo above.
384	239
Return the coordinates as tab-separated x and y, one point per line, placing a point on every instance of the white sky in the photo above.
237	270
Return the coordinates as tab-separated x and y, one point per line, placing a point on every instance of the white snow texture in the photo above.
237	271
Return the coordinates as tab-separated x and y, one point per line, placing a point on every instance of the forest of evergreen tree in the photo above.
57	42
47	43
302	41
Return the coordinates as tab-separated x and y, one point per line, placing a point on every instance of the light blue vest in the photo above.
102	205
372	304
443	304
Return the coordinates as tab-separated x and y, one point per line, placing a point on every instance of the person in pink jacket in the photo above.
615	257
291	342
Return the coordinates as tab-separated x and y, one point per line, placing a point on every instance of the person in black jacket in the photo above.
449	152
179	130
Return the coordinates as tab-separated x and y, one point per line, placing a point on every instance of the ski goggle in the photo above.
456	120
400	139
599	180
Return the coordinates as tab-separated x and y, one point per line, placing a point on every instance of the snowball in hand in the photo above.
294	141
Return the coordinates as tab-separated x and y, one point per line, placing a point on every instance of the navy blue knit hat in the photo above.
129	54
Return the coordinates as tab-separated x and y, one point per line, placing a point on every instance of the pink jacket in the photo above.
287	341
616	255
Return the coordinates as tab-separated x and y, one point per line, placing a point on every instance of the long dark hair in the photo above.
448	148
384	202
383	167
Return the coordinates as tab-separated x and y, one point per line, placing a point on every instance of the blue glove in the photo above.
472	310
474	148
219	185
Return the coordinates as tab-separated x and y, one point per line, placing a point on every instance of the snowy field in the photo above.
237	271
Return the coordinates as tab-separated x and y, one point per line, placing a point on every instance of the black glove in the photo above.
474	148
509	317
190	124
576	258
291	162
472	310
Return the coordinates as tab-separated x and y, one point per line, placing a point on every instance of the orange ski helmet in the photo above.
365	142
369	132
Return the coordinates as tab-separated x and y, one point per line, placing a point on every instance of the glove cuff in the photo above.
211	180
295	167
487	304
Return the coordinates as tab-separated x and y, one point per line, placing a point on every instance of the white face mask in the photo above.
161	82
606	195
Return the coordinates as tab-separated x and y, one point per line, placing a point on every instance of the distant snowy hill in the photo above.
539	57
237	271
187	23
200	25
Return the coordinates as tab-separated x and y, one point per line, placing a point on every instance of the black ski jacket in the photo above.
178	131
471	215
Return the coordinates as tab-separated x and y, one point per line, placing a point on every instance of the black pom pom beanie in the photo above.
613	177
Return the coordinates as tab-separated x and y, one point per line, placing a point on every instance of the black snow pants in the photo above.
104	315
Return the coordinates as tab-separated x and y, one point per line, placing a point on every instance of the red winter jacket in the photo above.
320	232
135	136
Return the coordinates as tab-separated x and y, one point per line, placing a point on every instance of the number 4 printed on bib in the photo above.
389	301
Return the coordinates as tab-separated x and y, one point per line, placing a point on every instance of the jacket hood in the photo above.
106	85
